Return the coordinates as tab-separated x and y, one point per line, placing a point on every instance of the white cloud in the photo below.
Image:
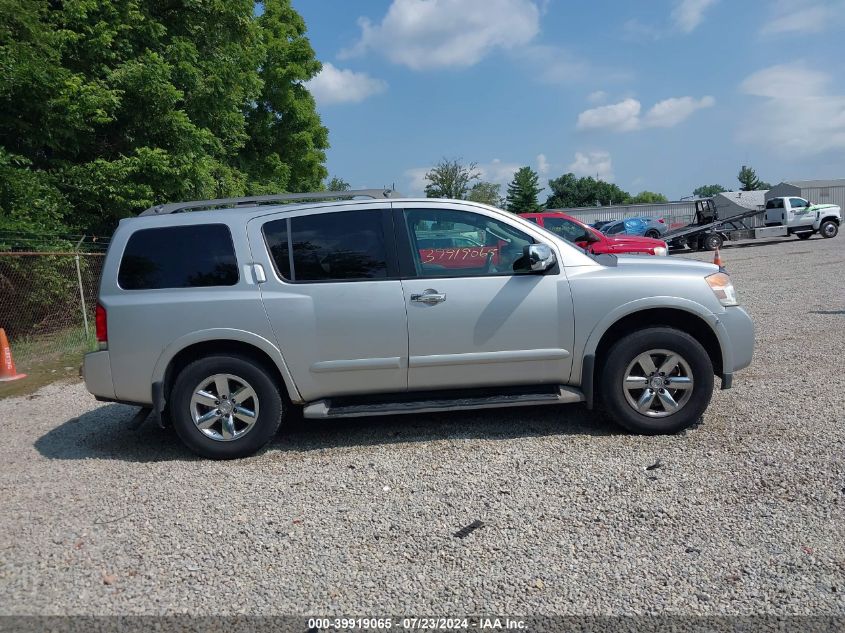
336	85
688	14
415	177
498	171
426	34
798	113
671	112
599	96
625	115
811	20
552	64
542	164
593	164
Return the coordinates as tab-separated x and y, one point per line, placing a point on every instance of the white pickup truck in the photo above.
803	219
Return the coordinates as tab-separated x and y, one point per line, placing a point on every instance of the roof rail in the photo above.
254	201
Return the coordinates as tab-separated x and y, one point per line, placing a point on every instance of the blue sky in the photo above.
663	95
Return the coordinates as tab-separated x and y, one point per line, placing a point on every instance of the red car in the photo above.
595	241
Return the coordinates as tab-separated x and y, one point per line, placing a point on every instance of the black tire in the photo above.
803	236
624	352
652	233
828	229
267	421
712	242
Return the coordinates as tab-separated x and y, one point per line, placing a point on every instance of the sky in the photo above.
664	95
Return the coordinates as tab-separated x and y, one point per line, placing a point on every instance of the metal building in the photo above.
731	203
816	191
675	213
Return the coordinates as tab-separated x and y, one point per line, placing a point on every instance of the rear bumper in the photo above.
740	332
96	370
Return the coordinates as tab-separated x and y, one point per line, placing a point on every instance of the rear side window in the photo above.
179	257
346	245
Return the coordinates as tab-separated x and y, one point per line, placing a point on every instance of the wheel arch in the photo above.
682	316
188	348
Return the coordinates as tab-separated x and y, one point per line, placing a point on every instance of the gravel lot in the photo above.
745	514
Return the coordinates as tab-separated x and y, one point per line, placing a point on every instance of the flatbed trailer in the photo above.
708	232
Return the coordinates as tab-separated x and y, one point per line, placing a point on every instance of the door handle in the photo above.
429	297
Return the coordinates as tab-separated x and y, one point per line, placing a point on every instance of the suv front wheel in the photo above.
657	380
225	407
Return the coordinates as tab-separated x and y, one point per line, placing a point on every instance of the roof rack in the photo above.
254	201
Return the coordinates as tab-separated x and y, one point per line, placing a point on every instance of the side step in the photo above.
430	402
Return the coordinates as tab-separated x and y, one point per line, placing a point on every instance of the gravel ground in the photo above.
745	514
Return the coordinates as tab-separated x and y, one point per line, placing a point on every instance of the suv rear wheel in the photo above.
225	407
657	380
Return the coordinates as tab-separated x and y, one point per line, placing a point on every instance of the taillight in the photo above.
661	220
101	324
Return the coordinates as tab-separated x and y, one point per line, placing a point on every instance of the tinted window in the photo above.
797	203
567	229
330	246
179	257
614	228
448	243
276	236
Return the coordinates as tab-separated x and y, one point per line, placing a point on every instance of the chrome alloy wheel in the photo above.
224	407
658	383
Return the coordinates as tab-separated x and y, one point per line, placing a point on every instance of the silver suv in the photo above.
223	319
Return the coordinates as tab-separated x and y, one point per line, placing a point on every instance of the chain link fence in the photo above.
47	303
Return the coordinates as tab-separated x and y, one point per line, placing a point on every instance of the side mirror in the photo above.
538	257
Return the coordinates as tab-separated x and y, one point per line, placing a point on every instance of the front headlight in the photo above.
723	288
661	250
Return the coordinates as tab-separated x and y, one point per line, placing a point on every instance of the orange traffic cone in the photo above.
717	259
7	365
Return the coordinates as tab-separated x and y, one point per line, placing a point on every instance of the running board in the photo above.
350	408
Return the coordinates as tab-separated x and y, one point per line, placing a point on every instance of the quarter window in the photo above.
339	246
447	243
179	257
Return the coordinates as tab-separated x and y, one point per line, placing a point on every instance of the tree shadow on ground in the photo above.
104	433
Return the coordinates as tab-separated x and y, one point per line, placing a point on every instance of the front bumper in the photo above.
96	369
740	333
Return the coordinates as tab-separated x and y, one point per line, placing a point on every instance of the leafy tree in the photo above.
450	178
523	191
708	191
486	193
109	107
645	197
748	179
570	191
764	185
287	142
337	184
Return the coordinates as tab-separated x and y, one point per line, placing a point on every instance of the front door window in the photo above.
447	243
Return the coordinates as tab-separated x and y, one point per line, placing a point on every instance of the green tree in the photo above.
748	179
336	183
523	191
450	178
287	142
646	197
569	191
708	191
109	107
486	193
